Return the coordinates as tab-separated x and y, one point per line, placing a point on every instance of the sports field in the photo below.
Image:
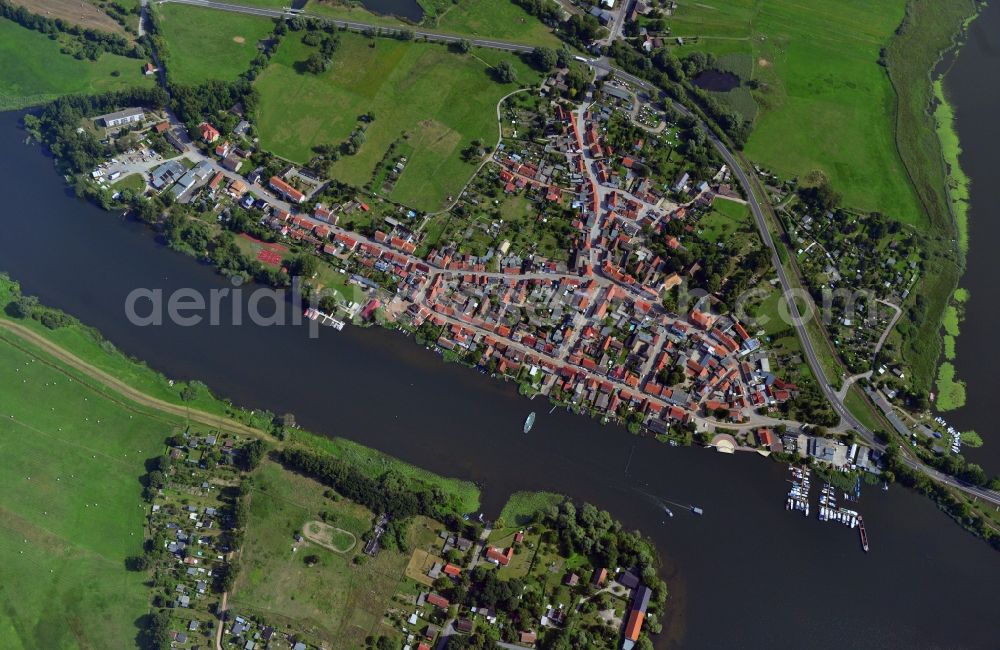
70	506
33	71
205	44
826	104
437	100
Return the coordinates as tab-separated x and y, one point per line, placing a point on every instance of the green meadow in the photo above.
34	71
826	106
206	44
70	505
434	100
499	19
332	596
724	220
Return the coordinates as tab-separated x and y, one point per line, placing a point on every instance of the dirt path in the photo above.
115	384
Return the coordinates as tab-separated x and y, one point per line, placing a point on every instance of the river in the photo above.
977	105
746	574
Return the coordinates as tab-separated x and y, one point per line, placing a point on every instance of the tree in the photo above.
463	46
505	73
138	563
544	58
316	63
820	198
24	306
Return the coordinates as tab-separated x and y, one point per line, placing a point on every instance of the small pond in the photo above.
717	81
409	9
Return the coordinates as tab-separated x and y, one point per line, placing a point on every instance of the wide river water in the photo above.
746	574
972	88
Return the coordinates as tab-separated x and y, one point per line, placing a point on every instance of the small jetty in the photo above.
529	422
323	318
798	496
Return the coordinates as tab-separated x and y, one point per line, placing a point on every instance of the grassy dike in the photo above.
87	344
929	149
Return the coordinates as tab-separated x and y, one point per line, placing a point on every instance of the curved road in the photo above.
734	165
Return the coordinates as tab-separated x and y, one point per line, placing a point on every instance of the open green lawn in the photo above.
337	599
499	19
826	104
33	71
724	220
70	506
205	44
437	100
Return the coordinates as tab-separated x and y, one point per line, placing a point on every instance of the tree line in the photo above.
390	493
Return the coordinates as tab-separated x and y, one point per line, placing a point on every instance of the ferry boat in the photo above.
529	422
864	534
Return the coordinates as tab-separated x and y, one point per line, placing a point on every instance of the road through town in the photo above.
738	170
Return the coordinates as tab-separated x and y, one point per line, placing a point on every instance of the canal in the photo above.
746	574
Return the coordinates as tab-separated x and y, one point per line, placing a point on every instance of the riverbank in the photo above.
929	150
376	388
85	350
149	419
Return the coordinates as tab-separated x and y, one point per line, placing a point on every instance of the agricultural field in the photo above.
205	44
70	505
434	100
826	106
34	71
322	592
83	14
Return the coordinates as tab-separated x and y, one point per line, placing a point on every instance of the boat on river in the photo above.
863	533
529	422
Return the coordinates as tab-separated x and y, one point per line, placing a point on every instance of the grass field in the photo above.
826	104
724	220
439	101
70	506
337	599
34	71
499	19
205	44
